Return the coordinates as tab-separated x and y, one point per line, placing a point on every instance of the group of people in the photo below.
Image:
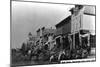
61	50
30	49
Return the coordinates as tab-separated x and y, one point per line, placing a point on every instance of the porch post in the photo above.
70	41
80	39
89	40
73	41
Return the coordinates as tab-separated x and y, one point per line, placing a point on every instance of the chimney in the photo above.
76	9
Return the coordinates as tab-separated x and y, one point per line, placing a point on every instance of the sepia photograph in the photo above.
51	33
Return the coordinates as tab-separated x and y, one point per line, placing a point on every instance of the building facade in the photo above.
46	37
64	27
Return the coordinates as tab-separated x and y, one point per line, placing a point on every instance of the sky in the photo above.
29	16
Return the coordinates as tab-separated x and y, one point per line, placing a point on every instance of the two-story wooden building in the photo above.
74	27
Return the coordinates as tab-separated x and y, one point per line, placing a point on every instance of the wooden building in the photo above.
73	27
64	27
